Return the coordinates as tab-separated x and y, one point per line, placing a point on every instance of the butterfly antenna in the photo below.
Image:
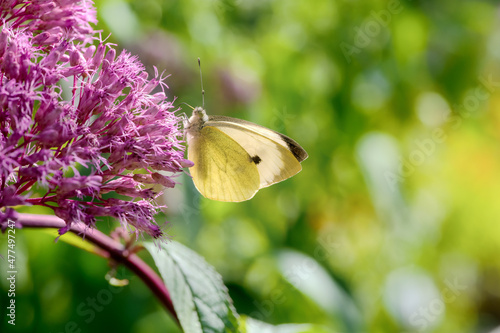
202	90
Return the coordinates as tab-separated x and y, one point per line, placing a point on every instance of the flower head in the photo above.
86	141
51	19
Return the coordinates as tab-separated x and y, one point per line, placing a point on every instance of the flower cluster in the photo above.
79	122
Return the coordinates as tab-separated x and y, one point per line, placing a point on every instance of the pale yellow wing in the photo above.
277	156
222	169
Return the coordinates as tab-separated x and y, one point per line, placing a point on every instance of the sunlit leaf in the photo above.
74	240
308	276
200	298
250	325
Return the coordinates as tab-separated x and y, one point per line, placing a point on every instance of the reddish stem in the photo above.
111	249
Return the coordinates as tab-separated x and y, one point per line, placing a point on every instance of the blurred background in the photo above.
393	225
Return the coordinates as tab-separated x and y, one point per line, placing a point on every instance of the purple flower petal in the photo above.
113	124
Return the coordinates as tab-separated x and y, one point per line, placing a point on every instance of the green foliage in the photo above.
396	103
199	296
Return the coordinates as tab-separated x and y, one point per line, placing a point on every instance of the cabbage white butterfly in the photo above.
234	158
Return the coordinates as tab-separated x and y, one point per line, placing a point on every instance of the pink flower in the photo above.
52	19
90	144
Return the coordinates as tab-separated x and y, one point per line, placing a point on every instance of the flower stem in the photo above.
111	249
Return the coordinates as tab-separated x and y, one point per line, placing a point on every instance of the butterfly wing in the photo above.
222	169
276	156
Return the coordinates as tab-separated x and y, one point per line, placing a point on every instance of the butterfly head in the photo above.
199	114
196	121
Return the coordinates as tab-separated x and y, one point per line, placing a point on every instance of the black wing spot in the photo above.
256	159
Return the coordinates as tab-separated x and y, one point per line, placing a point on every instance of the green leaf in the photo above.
309	277
73	240
200	298
250	325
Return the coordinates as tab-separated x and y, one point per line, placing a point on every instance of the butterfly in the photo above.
234	158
